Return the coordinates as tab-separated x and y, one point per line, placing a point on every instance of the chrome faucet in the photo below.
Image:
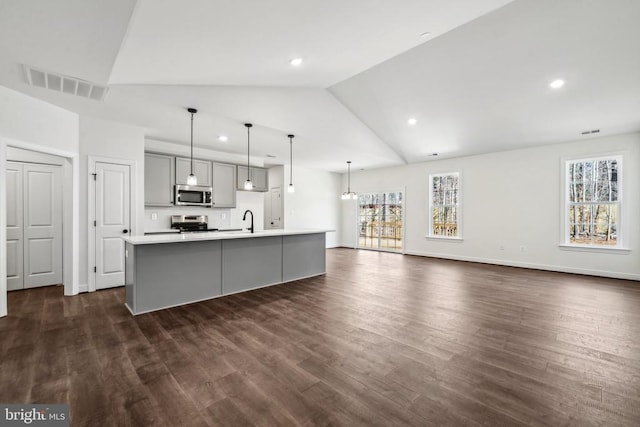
244	218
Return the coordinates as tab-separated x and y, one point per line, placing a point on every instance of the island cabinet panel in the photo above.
167	276
303	255
130	276
251	263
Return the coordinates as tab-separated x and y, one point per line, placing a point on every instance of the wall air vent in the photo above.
65	84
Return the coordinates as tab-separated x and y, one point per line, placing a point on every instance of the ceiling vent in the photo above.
65	84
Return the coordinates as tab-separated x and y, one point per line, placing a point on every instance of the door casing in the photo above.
91	189
71	209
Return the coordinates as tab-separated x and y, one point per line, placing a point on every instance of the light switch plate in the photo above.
154	216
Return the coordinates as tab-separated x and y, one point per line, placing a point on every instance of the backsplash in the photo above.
218	217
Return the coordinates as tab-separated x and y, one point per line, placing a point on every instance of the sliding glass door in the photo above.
380	221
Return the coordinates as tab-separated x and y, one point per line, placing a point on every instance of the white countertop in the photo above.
216	235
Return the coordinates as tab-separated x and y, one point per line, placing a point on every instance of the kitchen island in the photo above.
163	271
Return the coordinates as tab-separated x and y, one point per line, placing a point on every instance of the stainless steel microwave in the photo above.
193	195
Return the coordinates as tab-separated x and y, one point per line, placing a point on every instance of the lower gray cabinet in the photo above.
224	185
165	275
251	263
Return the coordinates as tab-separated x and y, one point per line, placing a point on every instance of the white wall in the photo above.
316	202
511	199
32	124
110	140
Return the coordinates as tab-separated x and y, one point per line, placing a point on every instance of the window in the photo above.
593	202
444	205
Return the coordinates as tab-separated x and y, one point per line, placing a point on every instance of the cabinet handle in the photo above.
125	231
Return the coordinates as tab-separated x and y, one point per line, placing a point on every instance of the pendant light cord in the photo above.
248	151
191	143
290	159
349	177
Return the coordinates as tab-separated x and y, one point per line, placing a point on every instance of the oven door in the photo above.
189	195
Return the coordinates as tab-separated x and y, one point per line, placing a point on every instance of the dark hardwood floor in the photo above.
382	339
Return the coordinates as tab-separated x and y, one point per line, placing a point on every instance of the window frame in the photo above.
565	238
431	206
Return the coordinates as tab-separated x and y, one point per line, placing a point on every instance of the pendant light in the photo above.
349	194
192	179
248	185
291	189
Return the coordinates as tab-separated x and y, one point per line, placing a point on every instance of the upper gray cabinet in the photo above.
201	169
259	177
159	177
224	185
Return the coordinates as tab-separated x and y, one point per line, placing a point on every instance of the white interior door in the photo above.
112	221
42	225
276	208
15	279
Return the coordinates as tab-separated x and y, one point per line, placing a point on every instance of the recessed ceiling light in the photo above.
412	121
556	84
223	138
425	34
296	62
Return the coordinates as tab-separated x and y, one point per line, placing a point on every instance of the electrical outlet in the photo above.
154	216
501	248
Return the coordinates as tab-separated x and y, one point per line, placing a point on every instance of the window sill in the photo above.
602	249
445	238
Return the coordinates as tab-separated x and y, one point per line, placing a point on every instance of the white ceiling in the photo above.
478	83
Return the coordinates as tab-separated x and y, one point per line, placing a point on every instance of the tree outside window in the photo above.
444	205
593	203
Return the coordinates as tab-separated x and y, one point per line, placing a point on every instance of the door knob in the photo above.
125	231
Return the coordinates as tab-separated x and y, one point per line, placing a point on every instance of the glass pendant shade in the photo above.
291	189
248	185
349	195
192	180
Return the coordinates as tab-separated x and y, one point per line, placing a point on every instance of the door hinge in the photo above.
95	224
95	176
95	269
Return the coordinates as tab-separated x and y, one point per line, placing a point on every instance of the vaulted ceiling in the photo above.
478	82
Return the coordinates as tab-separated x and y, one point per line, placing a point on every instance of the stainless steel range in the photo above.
191	223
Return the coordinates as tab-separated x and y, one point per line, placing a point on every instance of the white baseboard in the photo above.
83	288
546	267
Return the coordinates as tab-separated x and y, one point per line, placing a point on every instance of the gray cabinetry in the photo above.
259	177
156	275
201	169
224	185
251	263
174	272
159	177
